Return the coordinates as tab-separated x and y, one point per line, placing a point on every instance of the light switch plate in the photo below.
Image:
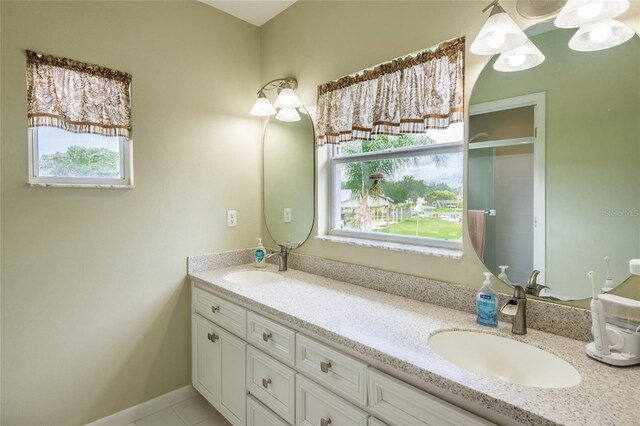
287	214
232	218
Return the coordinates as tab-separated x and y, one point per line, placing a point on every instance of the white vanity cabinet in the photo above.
284	377
218	368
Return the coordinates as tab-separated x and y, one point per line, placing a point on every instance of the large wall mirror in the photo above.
289	160
554	165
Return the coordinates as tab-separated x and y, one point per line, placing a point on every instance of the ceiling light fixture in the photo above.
286	102
577	13
521	58
499	34
600	35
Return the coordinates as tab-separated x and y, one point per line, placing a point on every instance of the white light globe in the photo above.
262	107
600	35
577	13
519	59
499	34
287	99
288	114
590	11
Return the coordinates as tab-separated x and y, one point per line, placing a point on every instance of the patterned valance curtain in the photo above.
78	97
408	95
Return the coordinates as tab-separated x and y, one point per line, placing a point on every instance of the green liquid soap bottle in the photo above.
260	255
487	303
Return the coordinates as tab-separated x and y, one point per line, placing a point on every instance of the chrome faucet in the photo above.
283	256
516	308
534	288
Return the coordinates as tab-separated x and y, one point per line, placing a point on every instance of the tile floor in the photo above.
194	411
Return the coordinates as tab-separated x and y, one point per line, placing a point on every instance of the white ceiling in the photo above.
256	12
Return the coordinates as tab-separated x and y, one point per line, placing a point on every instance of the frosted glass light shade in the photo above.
600	35
577	13
288	114
262	107
521	58
287	99
498	35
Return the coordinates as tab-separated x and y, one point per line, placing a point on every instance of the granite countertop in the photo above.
394	331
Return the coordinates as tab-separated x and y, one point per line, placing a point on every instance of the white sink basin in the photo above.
253	277
504	359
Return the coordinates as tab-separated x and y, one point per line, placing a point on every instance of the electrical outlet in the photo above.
232	218
287	214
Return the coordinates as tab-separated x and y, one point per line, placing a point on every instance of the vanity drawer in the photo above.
272	383
259	415
398	403
376	422
316	406
271	337
341	373
222	312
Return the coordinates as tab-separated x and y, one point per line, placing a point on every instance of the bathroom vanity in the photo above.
312	350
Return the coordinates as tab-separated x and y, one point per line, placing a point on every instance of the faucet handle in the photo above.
519	292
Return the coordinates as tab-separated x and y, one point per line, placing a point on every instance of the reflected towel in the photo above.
476	220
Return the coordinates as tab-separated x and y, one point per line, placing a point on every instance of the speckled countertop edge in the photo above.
402	328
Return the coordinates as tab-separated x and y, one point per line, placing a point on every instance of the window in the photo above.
79	118
59	157
405	188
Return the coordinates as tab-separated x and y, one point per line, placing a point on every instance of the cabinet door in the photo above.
205	359
316	406
233	395
218	368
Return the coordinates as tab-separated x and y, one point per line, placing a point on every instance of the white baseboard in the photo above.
136	412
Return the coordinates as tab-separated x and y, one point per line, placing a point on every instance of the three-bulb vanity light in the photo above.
593	18
286	104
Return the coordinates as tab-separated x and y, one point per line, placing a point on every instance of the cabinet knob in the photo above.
266	336
266	383
213	337
324	367
214	309
325	422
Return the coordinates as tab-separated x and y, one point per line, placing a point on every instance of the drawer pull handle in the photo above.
266	336
325	422
213	337
266	383
214	309
324	367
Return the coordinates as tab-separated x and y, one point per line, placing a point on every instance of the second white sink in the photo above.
504	359
253	277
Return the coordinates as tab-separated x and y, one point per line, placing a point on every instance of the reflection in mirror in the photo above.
555	187
289	179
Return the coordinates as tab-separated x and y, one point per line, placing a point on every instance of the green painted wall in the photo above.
95	304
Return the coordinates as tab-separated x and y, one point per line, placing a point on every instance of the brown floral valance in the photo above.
408	95
78	97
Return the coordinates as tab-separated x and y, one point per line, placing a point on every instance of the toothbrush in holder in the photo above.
598	324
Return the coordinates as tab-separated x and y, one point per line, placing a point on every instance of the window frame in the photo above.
335	191
126	168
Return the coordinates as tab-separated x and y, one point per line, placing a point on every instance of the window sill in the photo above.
80	185
406	248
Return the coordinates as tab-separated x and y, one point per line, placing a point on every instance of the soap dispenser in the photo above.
487	303
260	255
